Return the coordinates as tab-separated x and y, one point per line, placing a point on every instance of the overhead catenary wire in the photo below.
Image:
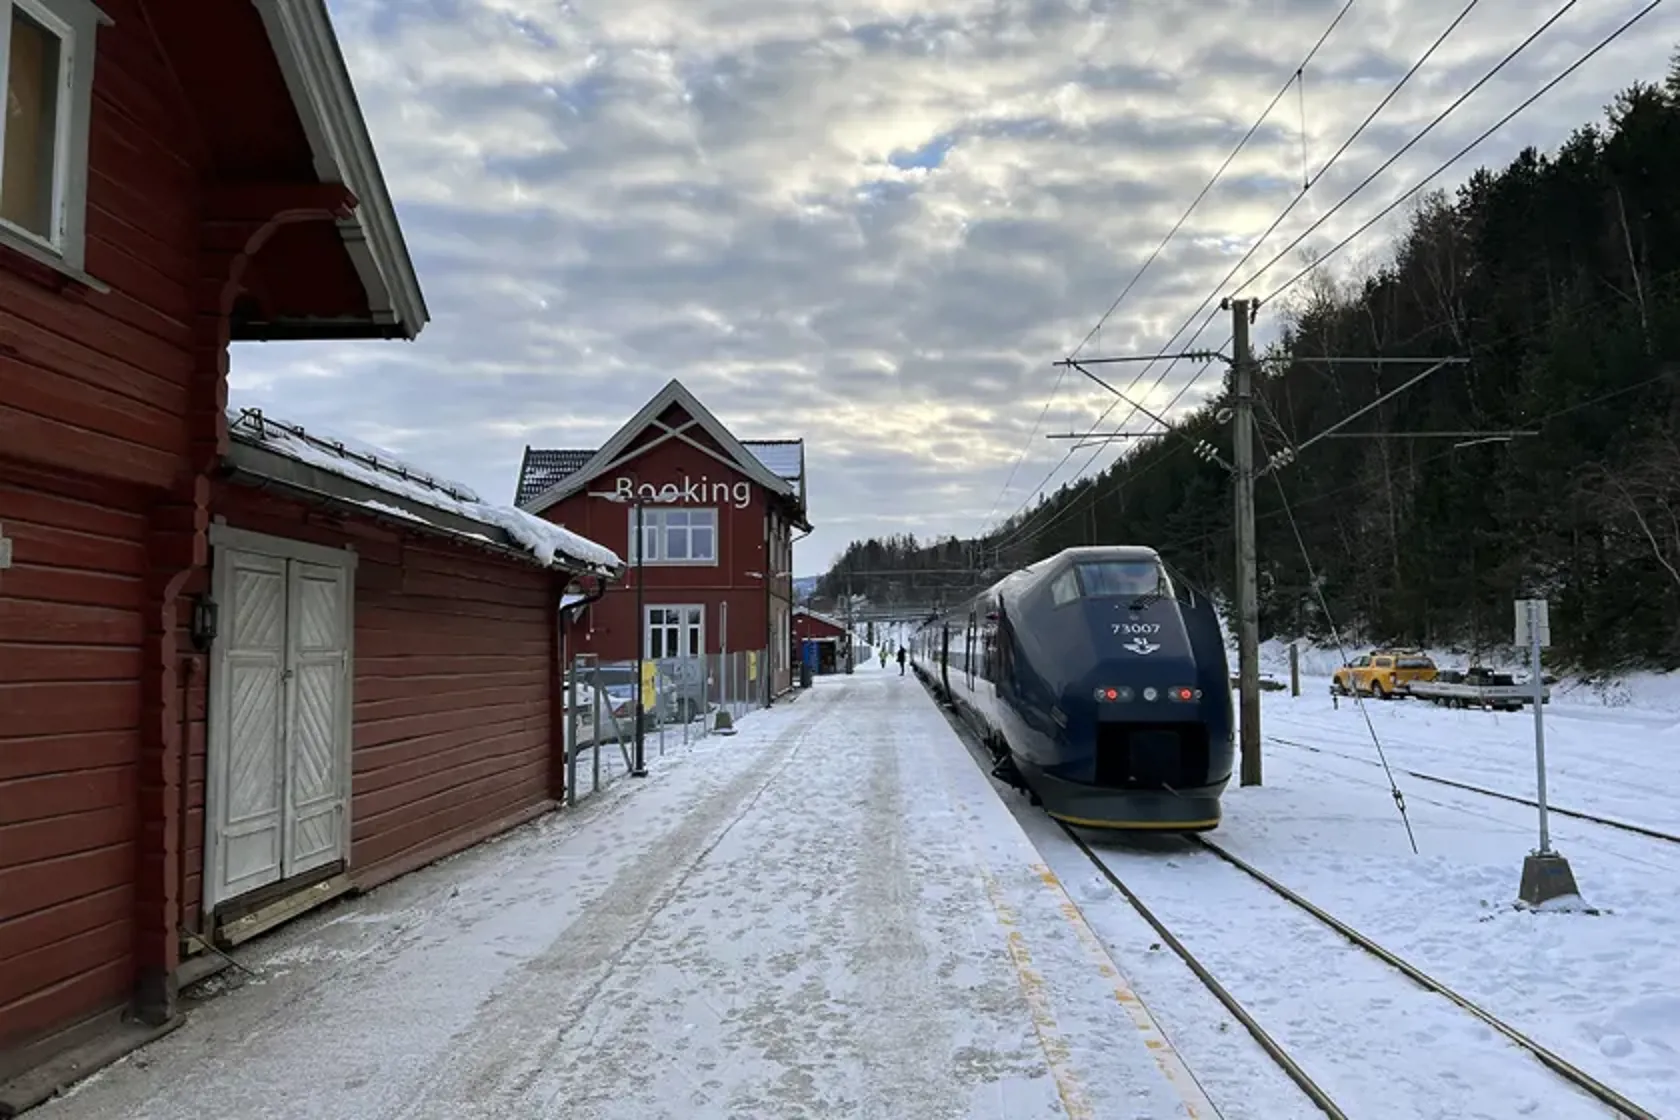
1079	504
1261	240
1623	29
1045	411
1294	79
1348	488
1341	648
1020	533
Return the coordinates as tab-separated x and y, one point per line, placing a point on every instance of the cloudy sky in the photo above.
871	223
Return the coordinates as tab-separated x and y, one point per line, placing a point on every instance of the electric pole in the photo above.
1248	591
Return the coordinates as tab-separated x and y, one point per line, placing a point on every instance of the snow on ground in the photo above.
1619	763
826	914
1603	991
833	912
1644	694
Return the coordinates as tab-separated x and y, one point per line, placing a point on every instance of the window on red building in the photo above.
674	535
675	631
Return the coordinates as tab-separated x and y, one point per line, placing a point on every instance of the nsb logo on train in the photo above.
1100	686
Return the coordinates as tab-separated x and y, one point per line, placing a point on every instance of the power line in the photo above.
1462	152
1505	61
1026	447
1331	162
1294	79
1079	504
1348	488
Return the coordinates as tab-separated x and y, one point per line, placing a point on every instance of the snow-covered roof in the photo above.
784	458
820	617
549	544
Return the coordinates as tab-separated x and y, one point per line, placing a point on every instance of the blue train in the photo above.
1100	688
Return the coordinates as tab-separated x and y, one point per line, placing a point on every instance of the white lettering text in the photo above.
687	492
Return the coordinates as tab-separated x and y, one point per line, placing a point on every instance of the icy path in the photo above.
829	914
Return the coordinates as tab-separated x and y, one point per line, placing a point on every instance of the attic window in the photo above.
46	70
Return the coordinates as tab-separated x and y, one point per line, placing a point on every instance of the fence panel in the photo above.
688	695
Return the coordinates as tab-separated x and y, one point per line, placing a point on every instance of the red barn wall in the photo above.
94	390
70	671
451	690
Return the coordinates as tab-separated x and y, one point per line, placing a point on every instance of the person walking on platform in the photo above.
901	656
883	657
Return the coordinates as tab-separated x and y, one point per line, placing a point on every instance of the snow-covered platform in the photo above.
828	914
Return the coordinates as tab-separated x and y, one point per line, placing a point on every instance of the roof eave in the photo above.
308	53
306	479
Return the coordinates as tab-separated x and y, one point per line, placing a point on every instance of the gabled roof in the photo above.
542	468
617	451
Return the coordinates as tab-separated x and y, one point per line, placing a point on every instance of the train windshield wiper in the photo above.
1147	598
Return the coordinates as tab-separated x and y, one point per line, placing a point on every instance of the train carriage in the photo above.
1100	687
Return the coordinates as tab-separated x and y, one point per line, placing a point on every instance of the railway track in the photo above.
1574	814
1594	1091
1565	1071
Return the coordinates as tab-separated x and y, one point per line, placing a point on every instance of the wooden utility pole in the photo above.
1248	591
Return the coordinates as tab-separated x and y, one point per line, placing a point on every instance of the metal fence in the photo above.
689	694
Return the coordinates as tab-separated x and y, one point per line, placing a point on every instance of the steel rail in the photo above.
1558	1065
1577	814
1266	1042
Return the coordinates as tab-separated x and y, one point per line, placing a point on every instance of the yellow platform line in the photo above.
1058	1055
1167	1058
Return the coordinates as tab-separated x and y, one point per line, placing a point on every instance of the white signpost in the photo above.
1546	874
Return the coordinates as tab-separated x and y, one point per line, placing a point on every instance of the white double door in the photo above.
278	787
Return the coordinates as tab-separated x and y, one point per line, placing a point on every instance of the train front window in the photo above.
1112	579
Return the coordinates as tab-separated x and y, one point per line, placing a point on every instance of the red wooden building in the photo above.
718	517
823	641
240	670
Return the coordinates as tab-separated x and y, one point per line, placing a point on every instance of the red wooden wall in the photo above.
452	695
94	389
451	691
70	632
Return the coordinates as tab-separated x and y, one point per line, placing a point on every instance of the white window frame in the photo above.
653	524
683	628
76	23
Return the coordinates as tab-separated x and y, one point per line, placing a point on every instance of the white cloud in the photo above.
603	194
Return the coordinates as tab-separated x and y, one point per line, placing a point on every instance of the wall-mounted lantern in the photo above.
202	626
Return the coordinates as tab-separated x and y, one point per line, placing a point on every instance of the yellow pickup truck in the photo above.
1383	673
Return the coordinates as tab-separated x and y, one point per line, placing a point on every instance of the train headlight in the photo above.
1117	694
1149	694
1184	694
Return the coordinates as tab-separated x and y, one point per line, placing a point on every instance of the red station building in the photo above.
821	639
718	516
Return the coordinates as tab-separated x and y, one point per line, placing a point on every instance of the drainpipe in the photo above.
559	694
788	652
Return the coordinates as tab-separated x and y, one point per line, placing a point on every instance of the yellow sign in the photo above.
752	665
650	672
